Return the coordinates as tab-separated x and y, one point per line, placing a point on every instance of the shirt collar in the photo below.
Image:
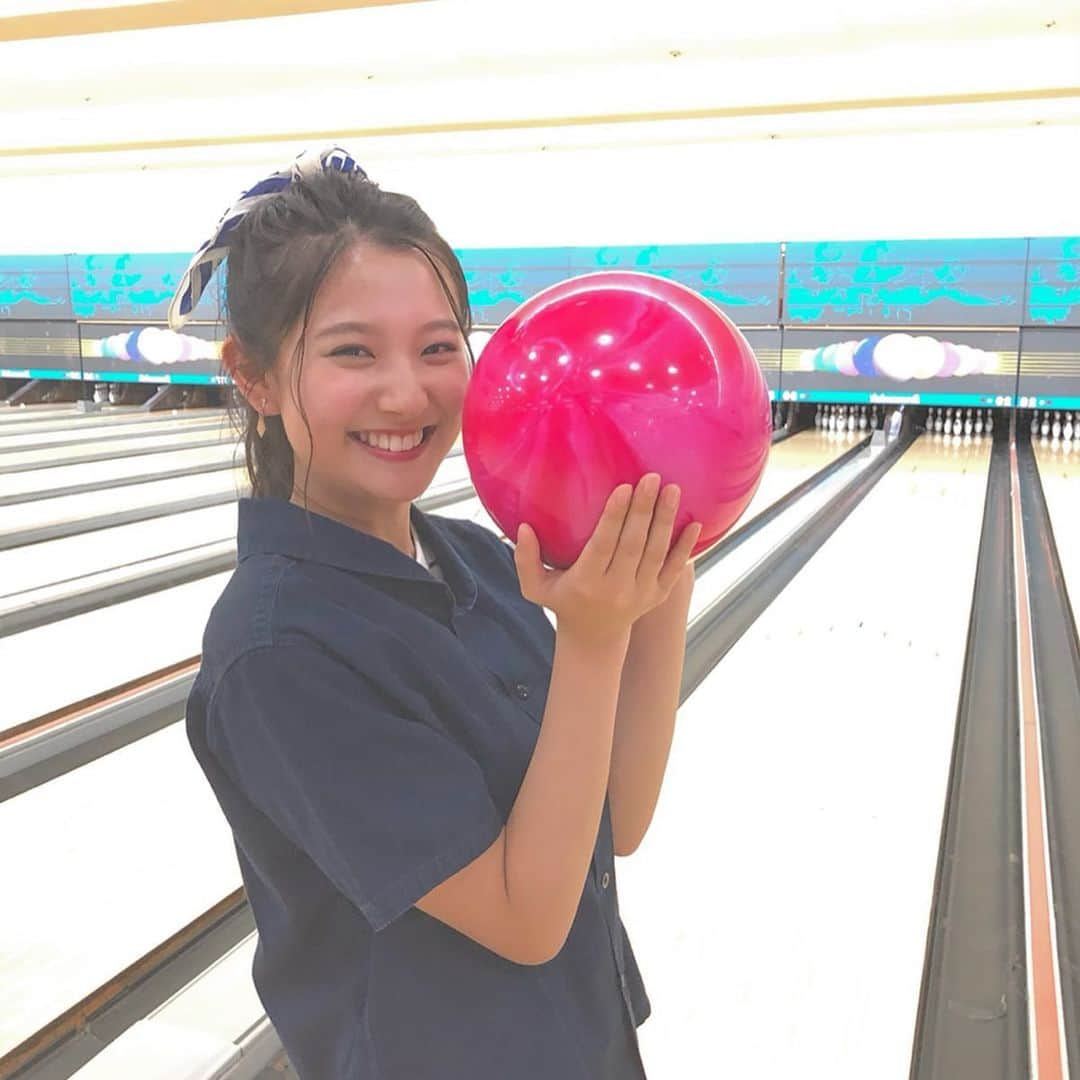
274	526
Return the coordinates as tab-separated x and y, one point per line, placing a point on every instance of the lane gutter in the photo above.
971	1019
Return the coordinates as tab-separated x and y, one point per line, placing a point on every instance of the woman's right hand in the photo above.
623	571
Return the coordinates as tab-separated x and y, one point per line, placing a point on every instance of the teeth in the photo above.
394	443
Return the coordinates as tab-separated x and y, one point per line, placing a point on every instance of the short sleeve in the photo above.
386	806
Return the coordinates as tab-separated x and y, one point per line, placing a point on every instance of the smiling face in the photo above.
382	384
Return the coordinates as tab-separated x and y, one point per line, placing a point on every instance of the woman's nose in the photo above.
403	393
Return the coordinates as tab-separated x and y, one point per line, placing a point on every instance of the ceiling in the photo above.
86	84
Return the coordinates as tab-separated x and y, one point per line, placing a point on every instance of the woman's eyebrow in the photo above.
368	328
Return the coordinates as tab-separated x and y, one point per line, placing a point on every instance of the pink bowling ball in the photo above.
595	382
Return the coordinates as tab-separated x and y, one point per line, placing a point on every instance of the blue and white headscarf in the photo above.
207	259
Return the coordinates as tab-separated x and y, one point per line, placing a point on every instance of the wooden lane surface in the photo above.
779	904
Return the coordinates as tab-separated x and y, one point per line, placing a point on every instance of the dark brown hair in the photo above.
279	255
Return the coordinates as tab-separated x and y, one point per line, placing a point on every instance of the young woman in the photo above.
426	784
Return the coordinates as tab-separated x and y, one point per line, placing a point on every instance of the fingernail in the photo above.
671	495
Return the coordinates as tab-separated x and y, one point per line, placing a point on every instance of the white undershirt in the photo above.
424	560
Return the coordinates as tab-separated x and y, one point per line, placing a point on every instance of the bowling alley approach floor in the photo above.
779	905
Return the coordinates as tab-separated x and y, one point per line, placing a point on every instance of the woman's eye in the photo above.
350	350
440	347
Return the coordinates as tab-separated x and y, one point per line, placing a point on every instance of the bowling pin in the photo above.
862	418
1055	428
1068	429
989	421
851	420
930	421
817	417
1044	430
979	422
969	424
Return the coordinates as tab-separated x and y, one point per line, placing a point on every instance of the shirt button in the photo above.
522	691
605	881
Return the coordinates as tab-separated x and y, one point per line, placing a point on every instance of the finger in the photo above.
596	556
660	533
679	555
530	568
635	532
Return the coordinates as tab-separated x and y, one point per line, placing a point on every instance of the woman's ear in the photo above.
249	381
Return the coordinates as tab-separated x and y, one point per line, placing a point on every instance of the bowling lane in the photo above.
1059	471
153	424
62	509
154	443
58	511
22	413
88	654
130	639
794	460
114	857
31	484
779	905
212	1020
34	566
69	419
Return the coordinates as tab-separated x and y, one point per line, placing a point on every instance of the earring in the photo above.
260	427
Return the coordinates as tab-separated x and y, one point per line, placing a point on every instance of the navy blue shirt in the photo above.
366	728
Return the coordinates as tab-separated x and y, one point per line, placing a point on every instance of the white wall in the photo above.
1010	182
